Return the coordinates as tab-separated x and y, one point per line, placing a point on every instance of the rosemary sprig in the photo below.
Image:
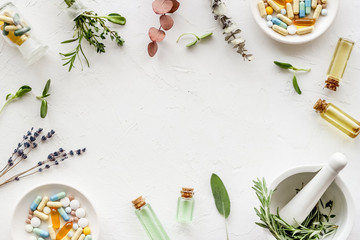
92	28
315	226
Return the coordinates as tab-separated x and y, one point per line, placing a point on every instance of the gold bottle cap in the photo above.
320	105
187	192
139	202
332	83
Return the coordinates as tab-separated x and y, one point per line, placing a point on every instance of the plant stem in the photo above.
301	69
187	34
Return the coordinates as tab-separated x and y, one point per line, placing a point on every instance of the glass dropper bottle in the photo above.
149	220
185	206
338	118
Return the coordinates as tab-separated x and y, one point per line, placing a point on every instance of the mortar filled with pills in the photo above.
58	213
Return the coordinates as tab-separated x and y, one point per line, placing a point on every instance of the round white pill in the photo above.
80	212
283	11
269	17
68	210
75	226
46	210
70	234
291	29
65	201
28	228
269	24
324	12
83	222
35	222
74	204
33	238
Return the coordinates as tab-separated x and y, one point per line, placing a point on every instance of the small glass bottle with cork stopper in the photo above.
149	220
338	63
338	118
185	206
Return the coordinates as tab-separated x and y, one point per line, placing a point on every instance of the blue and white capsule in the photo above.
307	7
63	214
41	233
35	203
280	23
302	9
57	196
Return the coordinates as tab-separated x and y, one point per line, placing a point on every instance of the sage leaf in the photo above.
221	197
296	85
46	89
283	65
44	108
116	18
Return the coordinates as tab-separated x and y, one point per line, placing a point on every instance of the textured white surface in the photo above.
153	125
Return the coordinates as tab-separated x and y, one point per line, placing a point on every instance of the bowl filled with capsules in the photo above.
54	211
294	21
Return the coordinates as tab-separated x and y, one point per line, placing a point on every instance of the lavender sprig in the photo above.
230	29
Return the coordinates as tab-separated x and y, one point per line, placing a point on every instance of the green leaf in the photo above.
192	43
22	91
296	85
8	96
46	88
221	197
69	41
206	35
283	65
116	18
44	108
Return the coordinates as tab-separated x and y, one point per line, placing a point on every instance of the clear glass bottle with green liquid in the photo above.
185	206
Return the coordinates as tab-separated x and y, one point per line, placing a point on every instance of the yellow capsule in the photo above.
305	30
55	218
64	230
280	30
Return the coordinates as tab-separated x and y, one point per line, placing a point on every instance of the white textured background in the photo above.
153	125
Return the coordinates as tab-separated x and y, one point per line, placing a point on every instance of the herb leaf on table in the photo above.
44	104
20	93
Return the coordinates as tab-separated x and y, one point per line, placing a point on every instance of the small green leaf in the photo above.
296	85
116	18
206	35
192	43
69	41
22	91
221	197
8	96
46	88
283	65
44	108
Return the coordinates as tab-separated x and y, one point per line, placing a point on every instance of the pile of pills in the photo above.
63	216
292	16
13	26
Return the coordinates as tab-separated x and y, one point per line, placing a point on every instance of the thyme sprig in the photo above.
315	226
92	28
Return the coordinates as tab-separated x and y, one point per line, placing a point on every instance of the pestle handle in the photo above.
298	208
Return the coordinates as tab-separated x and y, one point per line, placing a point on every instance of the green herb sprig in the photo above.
92	28
20	93
315	226
44	104
221	197
197	38
294	69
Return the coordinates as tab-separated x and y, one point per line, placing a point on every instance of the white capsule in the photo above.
46	210
41	215
324	12
43	203
283	11
80	212
291	29
65	201
77	234
269	24
74	204
54	204
68	210
82	237
269	17
35	222
83	222
28	228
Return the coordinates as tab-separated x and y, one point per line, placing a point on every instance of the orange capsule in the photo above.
304	22
55	218
281	2
64	230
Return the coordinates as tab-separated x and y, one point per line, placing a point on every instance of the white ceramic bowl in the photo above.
321	25
22	208
344	208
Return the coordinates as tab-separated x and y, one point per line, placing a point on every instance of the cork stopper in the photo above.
332	83
187	192
320	105
139	202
